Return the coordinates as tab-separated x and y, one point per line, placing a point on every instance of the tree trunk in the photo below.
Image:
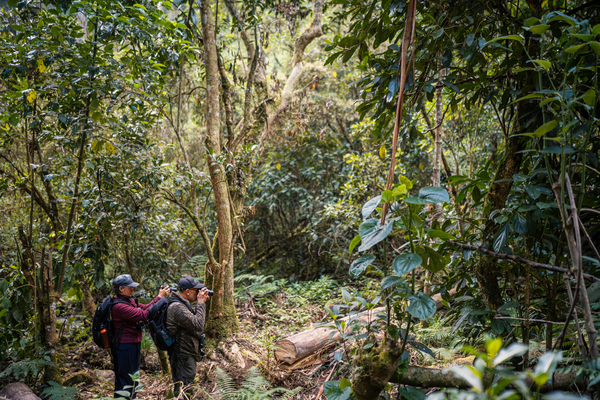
164	362
222	320
437	378
374	368
88	303
48	326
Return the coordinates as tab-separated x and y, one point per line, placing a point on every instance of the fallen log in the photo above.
439	378
303	344
18	391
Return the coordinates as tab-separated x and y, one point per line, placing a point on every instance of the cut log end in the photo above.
286	351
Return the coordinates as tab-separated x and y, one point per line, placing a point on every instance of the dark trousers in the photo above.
126	358
183	369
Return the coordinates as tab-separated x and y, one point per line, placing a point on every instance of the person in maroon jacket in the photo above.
127	317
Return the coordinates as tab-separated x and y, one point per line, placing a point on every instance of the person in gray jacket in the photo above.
187	324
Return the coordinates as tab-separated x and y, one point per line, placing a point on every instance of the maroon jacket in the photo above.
130	314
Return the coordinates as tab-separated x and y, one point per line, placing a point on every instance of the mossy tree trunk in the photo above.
374	368
487	271
222	320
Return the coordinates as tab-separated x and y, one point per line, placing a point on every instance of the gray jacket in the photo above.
187	323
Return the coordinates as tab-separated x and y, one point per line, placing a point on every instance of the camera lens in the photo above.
210	292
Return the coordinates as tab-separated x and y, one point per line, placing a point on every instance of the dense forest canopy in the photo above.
436	162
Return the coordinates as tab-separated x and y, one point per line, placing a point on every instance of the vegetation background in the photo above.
309	160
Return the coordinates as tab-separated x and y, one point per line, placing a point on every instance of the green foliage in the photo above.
253	387
27	368
506	384
54	391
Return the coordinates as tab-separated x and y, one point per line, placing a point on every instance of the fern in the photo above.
54	391
254	387
24	368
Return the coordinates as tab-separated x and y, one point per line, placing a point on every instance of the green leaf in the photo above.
387	196
421	306
585	38
470	375
430	195
435	233
589	97
432	260
519	224
548	362
370	206
576	48
509	37
353	243
533	191
405	263
411	393
360	264
547	127
333	391
500	239
438	33
539	29
595	47
367	226
375	236
543	63
390	282
515	349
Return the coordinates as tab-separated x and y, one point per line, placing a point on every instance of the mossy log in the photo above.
433	377
18	391
304	344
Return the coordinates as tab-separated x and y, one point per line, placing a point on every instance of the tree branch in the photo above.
518	259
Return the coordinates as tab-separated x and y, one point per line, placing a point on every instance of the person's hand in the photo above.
164	292
203	295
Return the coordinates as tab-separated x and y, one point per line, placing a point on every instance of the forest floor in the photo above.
276	313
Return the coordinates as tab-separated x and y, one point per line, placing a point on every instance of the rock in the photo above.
79	377
105	374
233	354
18	391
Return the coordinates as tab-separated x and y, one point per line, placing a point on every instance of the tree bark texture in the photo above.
374	368
222	320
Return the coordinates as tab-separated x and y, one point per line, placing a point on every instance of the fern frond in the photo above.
226	384
23	368
253	380
55	391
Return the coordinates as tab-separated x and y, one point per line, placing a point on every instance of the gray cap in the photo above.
189	283
125	281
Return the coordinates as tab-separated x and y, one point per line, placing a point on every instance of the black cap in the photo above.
125	281
189	283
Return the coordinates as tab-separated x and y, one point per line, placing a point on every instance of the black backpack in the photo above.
157	325
102	332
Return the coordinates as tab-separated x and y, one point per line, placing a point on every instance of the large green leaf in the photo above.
405	263
353	243
501	239
421	306
375	236
360	264
391	281
470	375
515	349
519	224
430	195
432	260
334	392
370	206
367	226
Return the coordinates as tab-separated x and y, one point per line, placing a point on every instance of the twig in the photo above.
326	379
587	235
543	321
518	259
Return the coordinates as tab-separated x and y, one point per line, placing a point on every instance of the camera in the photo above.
210	292
171	288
